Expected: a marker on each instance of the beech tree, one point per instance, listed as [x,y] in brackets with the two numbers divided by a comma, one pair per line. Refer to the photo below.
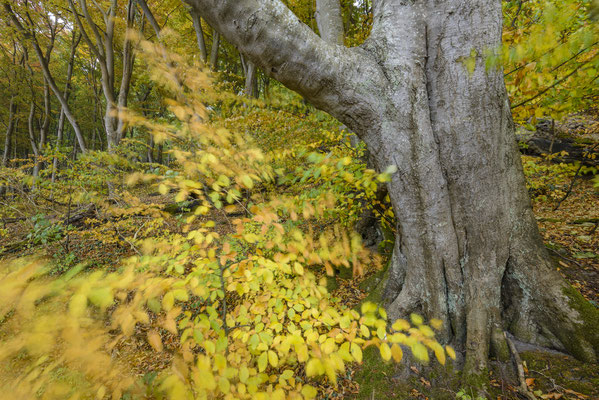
[421,93]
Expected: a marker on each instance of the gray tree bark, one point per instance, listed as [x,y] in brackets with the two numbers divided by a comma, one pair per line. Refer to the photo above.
[12,110]
[214,50]
[468,250]
[197,26]
[329,21]
[76,38]
[251,78]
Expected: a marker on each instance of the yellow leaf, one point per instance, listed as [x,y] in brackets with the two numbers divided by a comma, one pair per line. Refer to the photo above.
[396,352]
[401,325]
[450,352]
[356,352]
[155,340]
[368,307]
[168,301]
[383,313]
[416,319]
[297,267]
[439,353]
[209,346]
[436,323]
[385,351]
[244,374]
[247,181]
[420,352]
[101,297]
[329,369]
[309,392]
[302,352]
[365,331]
[273,359]
[426,331]
[77,305]
[314,367]
[224,385]
[381,332]
[328,346]
[181,294]
[262,362]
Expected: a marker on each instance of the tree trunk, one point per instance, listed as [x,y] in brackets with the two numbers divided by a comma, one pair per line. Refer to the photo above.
[214,51]
[197,26]
[60,130]
[329,21]
[127,73]
[251,82]
[12,110]
[468,250]
[34,147]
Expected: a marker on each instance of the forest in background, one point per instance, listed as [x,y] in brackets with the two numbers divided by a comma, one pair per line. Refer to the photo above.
[176,224]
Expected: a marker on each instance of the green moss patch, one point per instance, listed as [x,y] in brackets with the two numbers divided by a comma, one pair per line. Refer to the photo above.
[562,374]
[589,329]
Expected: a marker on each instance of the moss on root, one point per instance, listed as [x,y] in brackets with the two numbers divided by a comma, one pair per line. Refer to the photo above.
[375,285]
[587,329]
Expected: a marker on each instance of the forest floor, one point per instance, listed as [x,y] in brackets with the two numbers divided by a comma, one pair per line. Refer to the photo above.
[570,233]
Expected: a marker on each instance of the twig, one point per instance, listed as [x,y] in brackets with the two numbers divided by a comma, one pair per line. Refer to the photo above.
[550,86]
[564,257]
[517,13]
[133,247]
[573,181]
[523,386]
[555,385]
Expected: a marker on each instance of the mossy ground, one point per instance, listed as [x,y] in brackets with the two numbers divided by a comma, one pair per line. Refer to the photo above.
[554,373]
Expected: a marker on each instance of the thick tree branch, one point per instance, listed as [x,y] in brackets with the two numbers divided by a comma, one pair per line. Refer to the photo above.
[271,36]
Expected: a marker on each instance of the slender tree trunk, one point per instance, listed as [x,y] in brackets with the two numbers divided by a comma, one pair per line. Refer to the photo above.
[150,153]
[197,26]
[12,110]
[43,130]
[150,17]
[251,83]
[468,250]
[128,63]
[34,147]
[67,90]
[214,50]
